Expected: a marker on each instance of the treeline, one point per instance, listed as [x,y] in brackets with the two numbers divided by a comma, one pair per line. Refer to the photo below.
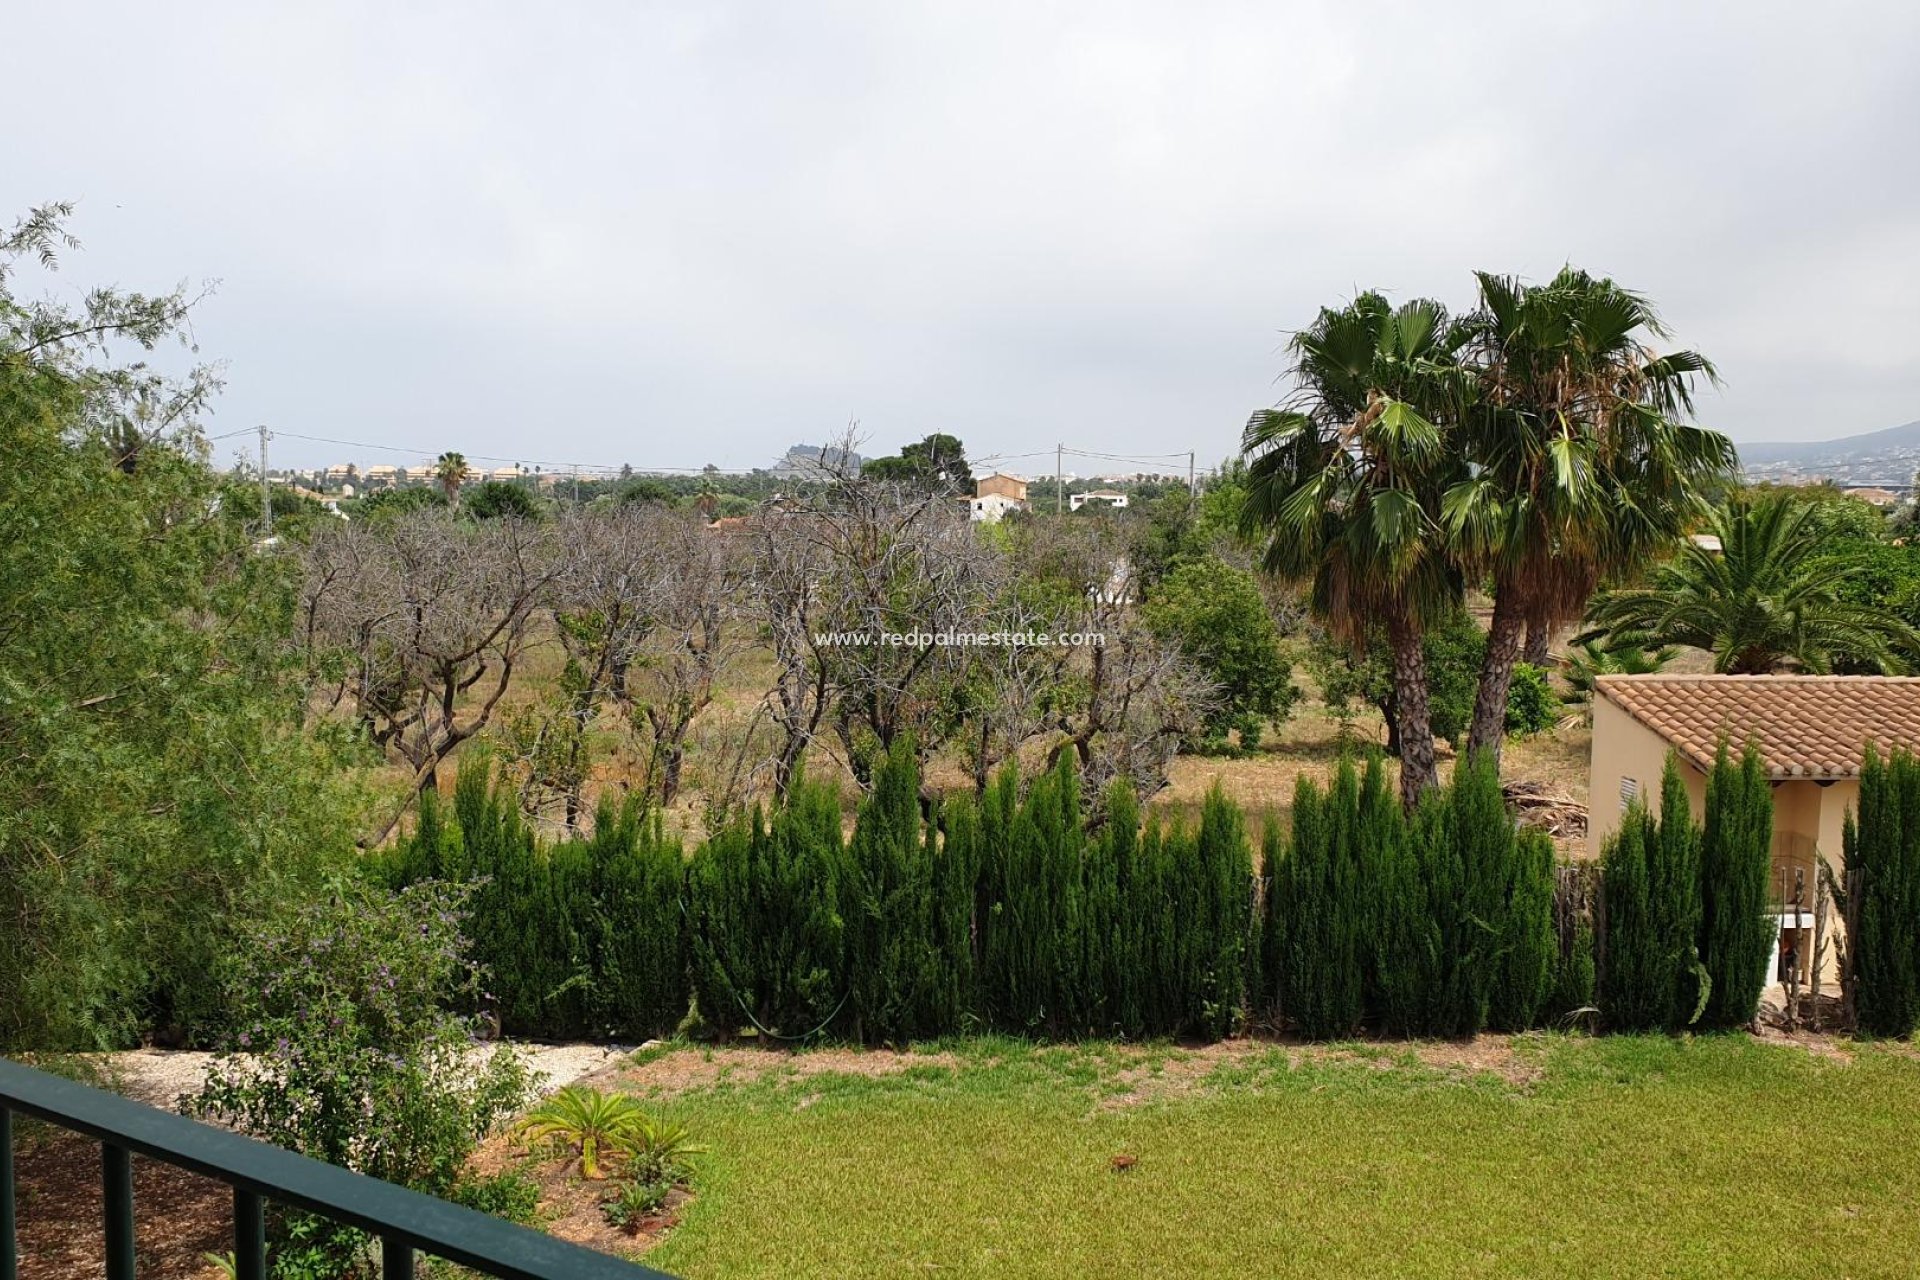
[1019,913]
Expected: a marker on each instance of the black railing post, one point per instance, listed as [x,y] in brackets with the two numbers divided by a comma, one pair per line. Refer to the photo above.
[9,1246]
[396,1259]
[249,1236]
[406,1223]
[116,1166]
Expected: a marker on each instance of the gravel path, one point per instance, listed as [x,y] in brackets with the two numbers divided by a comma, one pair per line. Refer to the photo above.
[159,1076]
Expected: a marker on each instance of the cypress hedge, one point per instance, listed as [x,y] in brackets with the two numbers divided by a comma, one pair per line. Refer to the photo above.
[766,939]
[1033,915]
[1882,850]
[582,938]
[1736,860]
[1651,977]
[1435,923]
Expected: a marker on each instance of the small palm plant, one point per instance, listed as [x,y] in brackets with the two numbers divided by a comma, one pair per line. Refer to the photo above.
[663,1150]
[589,1122]
[1589,660]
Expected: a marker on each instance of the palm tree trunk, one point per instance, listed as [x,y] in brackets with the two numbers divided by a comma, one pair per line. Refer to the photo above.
[1539,641]
[1411,717]
[1489,727]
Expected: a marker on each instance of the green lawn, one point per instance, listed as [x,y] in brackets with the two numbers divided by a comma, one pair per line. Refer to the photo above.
[1622,1157]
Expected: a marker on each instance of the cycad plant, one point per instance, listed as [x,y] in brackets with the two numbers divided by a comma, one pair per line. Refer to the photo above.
[588,1122]
[1768,599]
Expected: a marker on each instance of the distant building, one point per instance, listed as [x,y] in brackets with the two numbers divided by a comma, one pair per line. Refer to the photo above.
[1001,484]
[1111,497]
[506,475]
[1877,496]
[988,508]
[994,495]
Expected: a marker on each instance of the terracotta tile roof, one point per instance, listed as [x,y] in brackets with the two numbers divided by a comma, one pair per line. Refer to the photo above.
[1805,726]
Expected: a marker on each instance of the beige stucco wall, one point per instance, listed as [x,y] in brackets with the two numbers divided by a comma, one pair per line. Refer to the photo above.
[1625,748]
[1807,817]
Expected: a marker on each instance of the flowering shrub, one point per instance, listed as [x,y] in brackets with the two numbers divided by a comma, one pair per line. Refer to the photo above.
[344,1049]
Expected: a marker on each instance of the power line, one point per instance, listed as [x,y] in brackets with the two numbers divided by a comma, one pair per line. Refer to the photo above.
[604,468]
[519,460]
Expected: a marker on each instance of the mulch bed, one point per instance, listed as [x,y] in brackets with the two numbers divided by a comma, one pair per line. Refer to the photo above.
[179,1217]
[570,1204]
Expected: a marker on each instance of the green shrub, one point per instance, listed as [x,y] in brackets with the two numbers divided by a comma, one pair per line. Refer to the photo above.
[1650,978]
[1316,918]
[766,934]
[1737,931]
[343,1050]
[1532,705]
[1882,850]
[1217,617]
[887,902]
[509,1194]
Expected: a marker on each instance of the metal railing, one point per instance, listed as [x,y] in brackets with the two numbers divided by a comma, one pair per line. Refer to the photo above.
[406,1222]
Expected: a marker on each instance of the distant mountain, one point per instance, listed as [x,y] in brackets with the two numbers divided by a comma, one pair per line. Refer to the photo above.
[1879,457]
[812,461]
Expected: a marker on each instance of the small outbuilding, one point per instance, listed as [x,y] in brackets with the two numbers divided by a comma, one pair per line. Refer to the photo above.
[1811,732]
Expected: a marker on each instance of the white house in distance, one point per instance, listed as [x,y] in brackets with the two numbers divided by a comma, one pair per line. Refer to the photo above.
[996,494]
[1111,497]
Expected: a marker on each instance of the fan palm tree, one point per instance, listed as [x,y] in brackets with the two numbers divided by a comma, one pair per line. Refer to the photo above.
[451,472]
[1343,484]
[1583,463]
[1768,600]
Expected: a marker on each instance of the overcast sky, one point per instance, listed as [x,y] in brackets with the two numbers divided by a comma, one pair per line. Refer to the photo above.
[674,234]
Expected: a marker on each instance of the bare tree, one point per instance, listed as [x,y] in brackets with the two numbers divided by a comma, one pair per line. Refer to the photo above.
[862,588]
[788,566]
[422,623]
[604,600]
[1124,698]
[695,607]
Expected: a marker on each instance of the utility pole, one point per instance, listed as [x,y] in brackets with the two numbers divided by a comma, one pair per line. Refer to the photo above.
[1193,494]
[1059,486]
[266,489]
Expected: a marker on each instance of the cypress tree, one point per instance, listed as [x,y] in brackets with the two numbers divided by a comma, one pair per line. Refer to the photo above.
[1652,977]
[956,874]
[1398,928]
[887,903]
[1736,930]
[1221,917]
[1673,886]
[638,931]
[1635,988]
[1266,989]
[1118,858]
[1529,946]
[1882,851]
[766,938]
[1037,949]
[1322,983]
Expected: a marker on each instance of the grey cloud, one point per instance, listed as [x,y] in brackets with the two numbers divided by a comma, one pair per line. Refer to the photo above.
[680,233]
